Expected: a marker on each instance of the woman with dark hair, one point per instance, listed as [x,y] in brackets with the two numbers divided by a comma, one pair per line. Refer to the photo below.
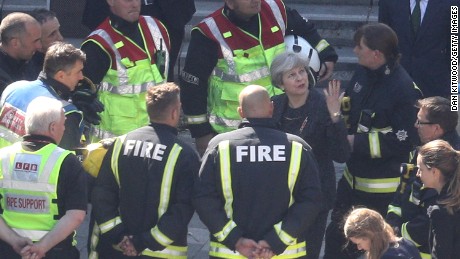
[368,230]
[315,116]
[379,113]
[439,168]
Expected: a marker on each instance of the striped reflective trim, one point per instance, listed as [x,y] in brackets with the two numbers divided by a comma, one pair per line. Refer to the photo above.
[167,179]
[385,130]
[197,119]
[278,16]
[394,209]
[412,198]
[233,124]
[126,88]
[322,44]
[34,235]
[99,133]
[174,252]
[110,224]
[406,235]
[381,185]
[93,254]
[43,178]
[284,236]
[226,51]
[222,235]
[374,145]
[121,69]
[294,167]
[225,176]
[8,135]
[243,78]
[158,39]
[425,255]
[160,237]
[114,159]
[221,251]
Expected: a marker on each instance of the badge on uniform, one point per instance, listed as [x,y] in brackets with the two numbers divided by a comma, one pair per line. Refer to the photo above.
[401,135]
[26,167]
[357,88]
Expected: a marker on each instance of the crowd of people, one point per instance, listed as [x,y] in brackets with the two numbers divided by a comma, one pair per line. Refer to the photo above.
[261,174]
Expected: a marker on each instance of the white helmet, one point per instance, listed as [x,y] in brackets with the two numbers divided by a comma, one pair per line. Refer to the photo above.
[299,45]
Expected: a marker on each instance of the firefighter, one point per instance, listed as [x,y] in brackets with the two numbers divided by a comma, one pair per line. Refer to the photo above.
[407,212]
[258,188]
[142,195]
[126,54]
[232,48]
[379,113]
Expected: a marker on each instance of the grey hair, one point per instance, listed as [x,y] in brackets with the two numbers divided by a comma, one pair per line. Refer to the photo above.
[41,112]
[14,25]
[285,62]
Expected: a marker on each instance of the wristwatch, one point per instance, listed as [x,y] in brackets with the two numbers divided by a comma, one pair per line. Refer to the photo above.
[337,114]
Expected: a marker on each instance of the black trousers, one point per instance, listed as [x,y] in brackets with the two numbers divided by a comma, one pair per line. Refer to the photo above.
[70,252]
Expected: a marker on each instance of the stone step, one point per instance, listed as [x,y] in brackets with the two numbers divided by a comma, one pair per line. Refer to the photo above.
[24,5]
[335,23]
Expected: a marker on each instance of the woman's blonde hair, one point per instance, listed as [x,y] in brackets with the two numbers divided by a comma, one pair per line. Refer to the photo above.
[369,224]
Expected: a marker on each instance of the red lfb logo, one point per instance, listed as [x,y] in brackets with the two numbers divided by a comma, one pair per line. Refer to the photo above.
[26,166]
[13,119]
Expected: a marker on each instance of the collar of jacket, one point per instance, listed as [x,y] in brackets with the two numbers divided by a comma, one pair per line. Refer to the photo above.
[258,122]
[452,138]
[14,64]
[62,90]
[122,25]
[163,126]
[35,142]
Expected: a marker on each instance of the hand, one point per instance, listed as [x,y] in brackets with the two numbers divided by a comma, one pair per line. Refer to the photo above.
[127,246]
[351,141]
[89,104]
[265,252]
[325,72]
[20,242]
[333,99]
[247,247]
[202,143]
[34,251]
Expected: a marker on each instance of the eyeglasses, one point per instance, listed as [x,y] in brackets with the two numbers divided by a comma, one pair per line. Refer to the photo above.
[418,123]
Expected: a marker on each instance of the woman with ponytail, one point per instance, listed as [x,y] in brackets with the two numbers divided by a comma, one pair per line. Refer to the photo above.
[368,230]
[438,168]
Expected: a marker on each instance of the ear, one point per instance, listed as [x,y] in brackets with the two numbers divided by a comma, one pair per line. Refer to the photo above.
[240,111]
[230,4]
[110,2]
[59,76]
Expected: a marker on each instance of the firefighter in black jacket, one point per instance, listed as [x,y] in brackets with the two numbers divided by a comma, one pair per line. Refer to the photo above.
[407,212]
[258,188]
[142,196]
[379,113]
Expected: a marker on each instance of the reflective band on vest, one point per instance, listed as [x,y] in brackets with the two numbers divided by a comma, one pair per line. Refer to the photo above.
[214,119]
[28,181]
[225,176]
[381,185]
[374,145]
[221,251]
[394,209]
[294,167]
[278,16]
[284,236]
[198,119]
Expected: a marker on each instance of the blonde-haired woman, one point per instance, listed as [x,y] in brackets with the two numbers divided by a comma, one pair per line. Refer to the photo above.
[368,230]
[439,168]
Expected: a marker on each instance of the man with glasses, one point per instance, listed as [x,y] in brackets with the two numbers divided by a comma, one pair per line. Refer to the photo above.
[407,212]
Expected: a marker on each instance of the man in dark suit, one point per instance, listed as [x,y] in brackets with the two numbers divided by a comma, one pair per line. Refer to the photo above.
[426,50]
[174,14]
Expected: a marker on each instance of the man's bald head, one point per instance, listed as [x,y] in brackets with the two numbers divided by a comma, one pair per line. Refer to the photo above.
[14,25]
[255,102]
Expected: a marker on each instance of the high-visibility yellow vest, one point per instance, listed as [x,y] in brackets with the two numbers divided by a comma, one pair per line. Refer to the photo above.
[132,71]
[243,60]
[29,188]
